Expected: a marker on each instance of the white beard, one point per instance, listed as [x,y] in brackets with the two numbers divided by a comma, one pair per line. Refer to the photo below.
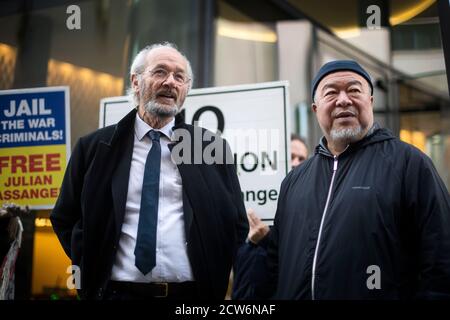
[347,135]
[160,110]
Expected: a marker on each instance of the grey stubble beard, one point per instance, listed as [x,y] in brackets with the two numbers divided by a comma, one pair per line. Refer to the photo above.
[346,135]
[159,110]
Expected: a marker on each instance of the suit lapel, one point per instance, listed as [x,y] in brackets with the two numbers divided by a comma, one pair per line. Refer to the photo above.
[120,152]
[119,183]
[195,204]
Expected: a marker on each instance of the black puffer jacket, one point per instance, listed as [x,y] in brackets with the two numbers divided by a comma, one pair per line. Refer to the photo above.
[372,223]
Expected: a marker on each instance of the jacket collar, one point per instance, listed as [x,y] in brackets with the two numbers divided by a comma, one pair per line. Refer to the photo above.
[124,126]
[179,119]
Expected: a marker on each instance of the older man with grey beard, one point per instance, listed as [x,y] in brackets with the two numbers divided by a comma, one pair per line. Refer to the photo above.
[367,216]
[138,224]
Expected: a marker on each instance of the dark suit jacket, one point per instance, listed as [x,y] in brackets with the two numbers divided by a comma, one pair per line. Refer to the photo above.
[89,212]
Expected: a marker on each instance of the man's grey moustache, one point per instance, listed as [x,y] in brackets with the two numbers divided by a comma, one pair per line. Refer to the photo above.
[345,114]
[167,94]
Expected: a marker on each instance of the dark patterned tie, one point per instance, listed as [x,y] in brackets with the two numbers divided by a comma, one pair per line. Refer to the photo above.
[145,250]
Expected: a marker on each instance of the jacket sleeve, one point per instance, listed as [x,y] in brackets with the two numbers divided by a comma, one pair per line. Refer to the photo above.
[428,200]
[261,281]
[256,269]
[66,216]
[251,272]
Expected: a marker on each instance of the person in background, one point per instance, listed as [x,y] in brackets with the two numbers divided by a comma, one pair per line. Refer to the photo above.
[299,150]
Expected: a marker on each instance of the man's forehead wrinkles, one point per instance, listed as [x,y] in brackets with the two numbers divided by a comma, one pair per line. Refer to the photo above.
[165,65]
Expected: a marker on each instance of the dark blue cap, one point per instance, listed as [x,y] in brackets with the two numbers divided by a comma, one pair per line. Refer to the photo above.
[336,66]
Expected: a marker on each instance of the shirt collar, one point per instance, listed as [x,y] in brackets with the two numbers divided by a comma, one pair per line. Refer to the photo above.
[141,128]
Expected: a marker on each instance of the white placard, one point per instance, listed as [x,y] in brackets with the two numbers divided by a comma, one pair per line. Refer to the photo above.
[253,119]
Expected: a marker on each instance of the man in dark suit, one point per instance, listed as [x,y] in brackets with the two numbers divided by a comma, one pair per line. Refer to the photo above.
[138,218]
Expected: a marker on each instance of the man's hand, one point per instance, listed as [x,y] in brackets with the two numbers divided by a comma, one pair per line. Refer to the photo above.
[258,229]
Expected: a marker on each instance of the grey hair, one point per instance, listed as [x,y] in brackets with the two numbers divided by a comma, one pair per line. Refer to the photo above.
[138,66]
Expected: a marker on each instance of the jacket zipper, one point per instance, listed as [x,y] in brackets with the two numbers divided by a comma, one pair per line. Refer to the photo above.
[335,164]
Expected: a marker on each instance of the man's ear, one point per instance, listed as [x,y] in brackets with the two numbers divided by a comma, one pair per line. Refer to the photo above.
[314,107]
[134,82]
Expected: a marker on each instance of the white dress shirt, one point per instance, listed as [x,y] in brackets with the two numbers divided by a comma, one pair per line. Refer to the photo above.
[172,263]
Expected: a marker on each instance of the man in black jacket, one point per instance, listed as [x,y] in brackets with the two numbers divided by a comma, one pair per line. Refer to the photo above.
[366,217]
[179,237]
